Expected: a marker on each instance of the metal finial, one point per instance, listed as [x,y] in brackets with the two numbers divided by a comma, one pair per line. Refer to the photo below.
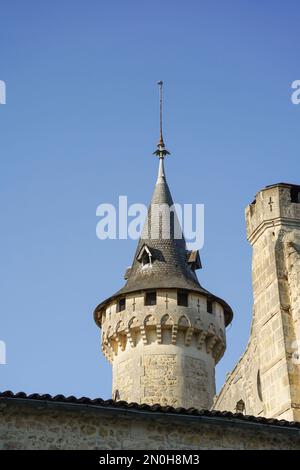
[160,84]
[161,151]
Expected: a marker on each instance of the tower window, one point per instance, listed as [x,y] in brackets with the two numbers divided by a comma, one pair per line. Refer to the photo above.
[240,407]
[295,194]
[150,298]
[145,256]
[145,259]
[258,382]
[209,306]
[182,299]
[121,304]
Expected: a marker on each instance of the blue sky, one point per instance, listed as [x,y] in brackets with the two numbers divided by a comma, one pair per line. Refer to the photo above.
[79,129]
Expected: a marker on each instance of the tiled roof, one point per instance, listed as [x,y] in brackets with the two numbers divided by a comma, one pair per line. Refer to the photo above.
[170,254]
[122,405]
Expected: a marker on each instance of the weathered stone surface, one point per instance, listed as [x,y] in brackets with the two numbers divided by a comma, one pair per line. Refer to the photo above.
[267,377]
[164,353]
[29,427]
[196,378]
[160,378]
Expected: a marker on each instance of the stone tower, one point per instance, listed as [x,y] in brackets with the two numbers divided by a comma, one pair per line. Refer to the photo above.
[266,380]
[162,332]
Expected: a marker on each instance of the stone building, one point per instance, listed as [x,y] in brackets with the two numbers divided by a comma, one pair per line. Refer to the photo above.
[163,333]
[45,422]
[266,380]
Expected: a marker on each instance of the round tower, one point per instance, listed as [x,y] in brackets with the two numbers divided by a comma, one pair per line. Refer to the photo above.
[163,332]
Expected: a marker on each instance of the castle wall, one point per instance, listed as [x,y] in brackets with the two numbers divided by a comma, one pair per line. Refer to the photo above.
[46,425]
[267,376]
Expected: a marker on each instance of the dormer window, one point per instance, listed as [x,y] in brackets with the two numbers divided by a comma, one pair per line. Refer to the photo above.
[150,298]
[182,298]
[145,256]
[193,260]
[146,259]
[121,304]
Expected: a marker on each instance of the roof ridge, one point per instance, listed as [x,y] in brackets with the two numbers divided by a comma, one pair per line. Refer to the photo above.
[8,394]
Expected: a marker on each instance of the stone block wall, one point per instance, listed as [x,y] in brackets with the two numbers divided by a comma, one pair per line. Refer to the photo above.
[267,377]
[164,353]
[31,424]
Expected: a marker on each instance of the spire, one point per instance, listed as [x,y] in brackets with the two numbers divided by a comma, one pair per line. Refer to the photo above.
[161,172]
[163,262]
[161,151]
[168,258]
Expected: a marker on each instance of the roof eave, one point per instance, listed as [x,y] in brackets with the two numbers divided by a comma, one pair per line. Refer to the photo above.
[228,312]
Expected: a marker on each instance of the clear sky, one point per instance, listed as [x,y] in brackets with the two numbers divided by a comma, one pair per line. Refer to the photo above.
[79,128]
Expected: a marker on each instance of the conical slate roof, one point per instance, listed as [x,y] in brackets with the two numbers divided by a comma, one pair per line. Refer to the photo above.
[163,237]
[168,262]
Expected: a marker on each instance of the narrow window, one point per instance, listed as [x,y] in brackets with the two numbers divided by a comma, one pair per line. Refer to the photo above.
[121,304]
[259,386]
[145,259]
[240,407]
[182,299]
[150,298]
[295,194]
[209,307]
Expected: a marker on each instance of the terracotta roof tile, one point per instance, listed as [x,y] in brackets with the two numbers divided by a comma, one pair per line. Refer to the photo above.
[8,395]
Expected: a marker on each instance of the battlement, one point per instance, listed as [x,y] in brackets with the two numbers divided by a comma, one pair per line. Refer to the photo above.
[267,377]
[272,206]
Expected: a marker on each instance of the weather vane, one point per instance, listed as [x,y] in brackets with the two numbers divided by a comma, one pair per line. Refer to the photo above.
[161,151]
